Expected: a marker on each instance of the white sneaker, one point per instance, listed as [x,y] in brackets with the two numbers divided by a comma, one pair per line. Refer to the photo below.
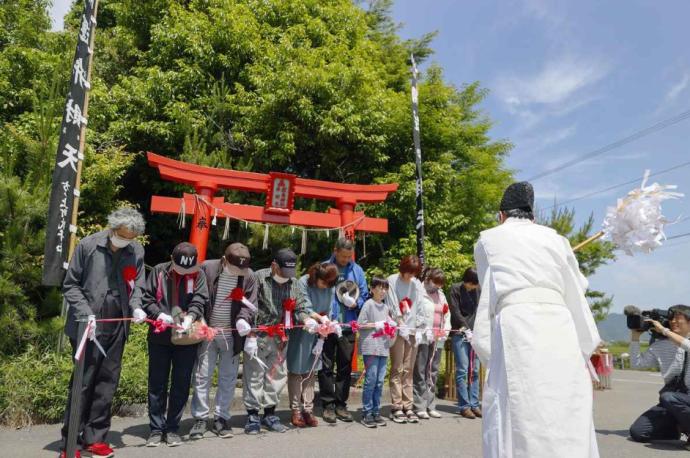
[434,413]
[423,415]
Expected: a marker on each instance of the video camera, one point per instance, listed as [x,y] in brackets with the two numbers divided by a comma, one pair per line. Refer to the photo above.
[635,319]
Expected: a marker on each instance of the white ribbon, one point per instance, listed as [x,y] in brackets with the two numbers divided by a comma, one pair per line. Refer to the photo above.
[90,334]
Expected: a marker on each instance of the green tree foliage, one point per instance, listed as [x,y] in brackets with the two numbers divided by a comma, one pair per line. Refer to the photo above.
[590,257]
[319,89]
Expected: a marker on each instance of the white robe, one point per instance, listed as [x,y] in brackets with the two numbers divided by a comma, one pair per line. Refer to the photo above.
[535,331]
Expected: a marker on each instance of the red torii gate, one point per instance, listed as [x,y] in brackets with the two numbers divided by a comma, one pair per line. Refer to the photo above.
[280,190]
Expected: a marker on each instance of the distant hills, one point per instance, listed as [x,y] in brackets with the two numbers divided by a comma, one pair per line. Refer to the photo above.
[613,329]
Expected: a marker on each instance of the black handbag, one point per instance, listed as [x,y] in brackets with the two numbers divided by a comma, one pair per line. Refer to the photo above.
[677,383]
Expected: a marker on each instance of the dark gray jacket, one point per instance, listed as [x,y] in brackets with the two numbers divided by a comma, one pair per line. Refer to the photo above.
[463,306]
[86,281]
[192,303]
[212,268]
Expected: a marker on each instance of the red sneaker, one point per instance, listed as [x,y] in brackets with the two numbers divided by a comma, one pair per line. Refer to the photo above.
[100,450]
[63,454]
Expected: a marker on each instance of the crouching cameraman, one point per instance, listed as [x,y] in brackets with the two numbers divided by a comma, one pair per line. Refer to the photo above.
[671,416]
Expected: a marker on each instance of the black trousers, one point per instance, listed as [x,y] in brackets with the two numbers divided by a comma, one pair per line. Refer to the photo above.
[169,365]
[101,377]
[334,386]
[664,421]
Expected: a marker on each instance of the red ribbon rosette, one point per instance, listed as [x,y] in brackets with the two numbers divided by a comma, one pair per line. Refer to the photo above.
[129,275]
[445,308]
[206,332]
[237,294]
[275,330]
[405,305]
[387,331]
[289,306]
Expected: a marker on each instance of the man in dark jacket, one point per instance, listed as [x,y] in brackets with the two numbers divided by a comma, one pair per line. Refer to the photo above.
[104,280]
[232,295]
[464,298]
[176,293]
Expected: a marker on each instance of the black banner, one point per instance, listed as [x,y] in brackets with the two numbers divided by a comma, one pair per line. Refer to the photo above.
[69,155]
[418,159]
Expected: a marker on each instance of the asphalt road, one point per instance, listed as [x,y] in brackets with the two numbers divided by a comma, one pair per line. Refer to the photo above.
[451,435]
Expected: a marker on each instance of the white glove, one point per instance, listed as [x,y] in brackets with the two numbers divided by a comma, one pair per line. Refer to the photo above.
[310,325]
[92,322]
[338,330]
[324,319]
[404,332]
[139,315]
[243,327]
[187,323]
[348,300]
[468,335]
[429,334]
[165,318]
[251,347]
[379,325]
[318,348]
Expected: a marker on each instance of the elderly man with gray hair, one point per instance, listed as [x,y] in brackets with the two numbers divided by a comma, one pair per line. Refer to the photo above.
[105,279]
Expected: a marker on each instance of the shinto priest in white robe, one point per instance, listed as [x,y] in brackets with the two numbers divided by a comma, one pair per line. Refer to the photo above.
[535,332]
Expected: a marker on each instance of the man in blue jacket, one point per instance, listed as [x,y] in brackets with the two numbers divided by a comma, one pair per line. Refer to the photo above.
[334,385]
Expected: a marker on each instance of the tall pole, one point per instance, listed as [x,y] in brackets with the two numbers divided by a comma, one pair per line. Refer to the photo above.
[75,407]
[419,226]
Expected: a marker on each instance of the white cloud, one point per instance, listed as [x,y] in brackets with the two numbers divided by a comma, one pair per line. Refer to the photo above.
[560,87]
[536,143]
[677,88]
[672,94]
[555,83]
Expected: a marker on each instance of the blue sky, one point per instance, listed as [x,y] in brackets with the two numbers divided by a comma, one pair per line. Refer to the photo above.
[566,78]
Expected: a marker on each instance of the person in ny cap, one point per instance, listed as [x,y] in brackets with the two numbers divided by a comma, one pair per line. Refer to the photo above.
[265,371]
[232,295]
[176,294]
[532,311]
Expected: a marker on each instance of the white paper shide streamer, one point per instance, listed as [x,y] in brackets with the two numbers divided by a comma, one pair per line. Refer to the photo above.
[636,223]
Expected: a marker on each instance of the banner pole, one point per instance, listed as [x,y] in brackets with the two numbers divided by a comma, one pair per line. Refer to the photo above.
[75,393]
[418,160]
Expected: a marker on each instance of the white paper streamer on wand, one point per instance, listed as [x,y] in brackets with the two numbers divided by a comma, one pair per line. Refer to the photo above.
[265,244]
[214,221]
[226,230]
[181,215]
[636,223]
[304,242]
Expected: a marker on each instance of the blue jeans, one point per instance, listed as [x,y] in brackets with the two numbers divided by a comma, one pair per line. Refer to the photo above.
[468,396]
[373,384]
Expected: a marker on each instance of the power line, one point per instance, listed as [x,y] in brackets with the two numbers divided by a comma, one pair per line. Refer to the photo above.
[624,141]
[610,188]
[678,236]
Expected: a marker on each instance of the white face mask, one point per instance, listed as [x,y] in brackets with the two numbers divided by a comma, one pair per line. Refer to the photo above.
[431,288]
[280,280]
[119,242]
